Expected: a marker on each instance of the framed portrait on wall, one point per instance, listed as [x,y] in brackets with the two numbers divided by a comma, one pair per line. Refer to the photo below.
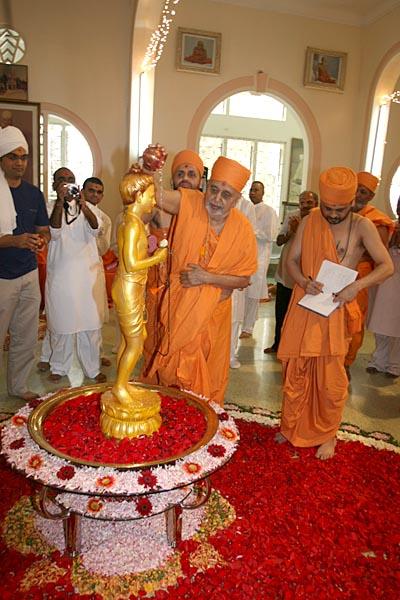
[325,69]
[13,82]
[25,116]
[198,51]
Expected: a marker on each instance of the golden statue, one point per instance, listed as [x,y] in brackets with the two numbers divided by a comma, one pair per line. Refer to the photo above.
[129,410]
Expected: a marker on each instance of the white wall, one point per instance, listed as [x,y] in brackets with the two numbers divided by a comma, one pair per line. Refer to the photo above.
[78,56]
[254,40]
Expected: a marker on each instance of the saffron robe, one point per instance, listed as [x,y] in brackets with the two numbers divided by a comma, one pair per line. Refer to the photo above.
[194,325]
[312,350]
[364,268]
[155,290]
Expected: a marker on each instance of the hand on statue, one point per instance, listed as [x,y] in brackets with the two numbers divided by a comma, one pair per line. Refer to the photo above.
[347,294]
[192,276]
[313,287]
[162,254]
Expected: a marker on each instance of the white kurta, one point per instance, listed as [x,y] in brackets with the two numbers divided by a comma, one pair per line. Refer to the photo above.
[266,231]
[238,296]
[104,236]
[384,316]
[75,284]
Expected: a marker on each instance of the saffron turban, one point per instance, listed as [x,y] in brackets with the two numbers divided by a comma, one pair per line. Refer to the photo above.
[230,171]
[187,157]
[338,186]
[368,180]
[11,138]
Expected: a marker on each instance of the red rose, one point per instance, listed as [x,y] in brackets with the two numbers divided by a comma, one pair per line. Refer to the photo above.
[66,473]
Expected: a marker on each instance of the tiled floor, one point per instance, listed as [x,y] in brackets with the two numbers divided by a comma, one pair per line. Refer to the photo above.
[373,403]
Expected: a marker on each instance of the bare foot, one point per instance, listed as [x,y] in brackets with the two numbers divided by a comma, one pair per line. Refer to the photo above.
[43,366]
[326,450]
[54,377]
[100,378]
[271,350]
[105,362]
[280,438]
[245,334]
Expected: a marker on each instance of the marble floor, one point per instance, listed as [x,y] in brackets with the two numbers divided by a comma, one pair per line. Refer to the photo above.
[373,403]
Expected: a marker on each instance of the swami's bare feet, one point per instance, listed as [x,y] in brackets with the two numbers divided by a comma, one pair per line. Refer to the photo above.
[326,450]
[280,438]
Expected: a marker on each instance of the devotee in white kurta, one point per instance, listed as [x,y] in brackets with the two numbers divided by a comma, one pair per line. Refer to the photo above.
[384,317]
[239,296]
[75,291]
[266,231]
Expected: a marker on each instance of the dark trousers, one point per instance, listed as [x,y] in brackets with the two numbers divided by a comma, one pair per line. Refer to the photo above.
[282,300]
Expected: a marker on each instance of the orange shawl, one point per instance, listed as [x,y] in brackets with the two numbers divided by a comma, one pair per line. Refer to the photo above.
[378,218]
[306,333]
[187,345]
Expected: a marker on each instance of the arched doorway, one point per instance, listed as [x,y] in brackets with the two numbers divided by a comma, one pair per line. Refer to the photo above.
[265,135]
[262,84]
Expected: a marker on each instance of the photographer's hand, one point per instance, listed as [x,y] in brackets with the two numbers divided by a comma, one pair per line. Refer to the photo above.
[90,216]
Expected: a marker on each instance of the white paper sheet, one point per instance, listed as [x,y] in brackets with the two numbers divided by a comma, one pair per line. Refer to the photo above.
[335,277]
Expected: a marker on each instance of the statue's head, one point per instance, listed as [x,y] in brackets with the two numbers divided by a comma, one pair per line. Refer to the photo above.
[138,187]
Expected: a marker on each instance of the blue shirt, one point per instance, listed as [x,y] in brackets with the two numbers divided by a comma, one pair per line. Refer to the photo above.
[31,212]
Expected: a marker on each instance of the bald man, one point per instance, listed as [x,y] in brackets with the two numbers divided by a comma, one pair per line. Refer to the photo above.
[214,252]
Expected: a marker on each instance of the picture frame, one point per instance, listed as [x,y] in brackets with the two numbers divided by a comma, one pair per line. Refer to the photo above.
[13,82]
[325,69]
[25,116]
[198,51]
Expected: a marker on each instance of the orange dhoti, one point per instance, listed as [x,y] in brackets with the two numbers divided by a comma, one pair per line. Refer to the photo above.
[364,268]
[155,291]
[193,353]
[312,351]
[314,395]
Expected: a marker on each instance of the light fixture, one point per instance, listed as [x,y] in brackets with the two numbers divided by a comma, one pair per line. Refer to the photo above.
[12,45]
[394,97]
[159,36]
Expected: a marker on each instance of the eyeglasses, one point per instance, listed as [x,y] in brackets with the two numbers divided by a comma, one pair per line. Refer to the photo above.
[15,157]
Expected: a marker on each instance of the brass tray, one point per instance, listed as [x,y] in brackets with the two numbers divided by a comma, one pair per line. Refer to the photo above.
[39,414]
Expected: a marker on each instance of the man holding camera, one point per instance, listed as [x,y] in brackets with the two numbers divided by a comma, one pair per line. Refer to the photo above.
[75,287]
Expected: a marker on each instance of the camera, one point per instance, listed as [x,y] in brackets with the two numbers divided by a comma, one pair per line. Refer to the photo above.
[73,191]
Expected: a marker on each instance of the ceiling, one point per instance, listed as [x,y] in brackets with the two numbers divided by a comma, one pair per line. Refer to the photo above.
[349,12]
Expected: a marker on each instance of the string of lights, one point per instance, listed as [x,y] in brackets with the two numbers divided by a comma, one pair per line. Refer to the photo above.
[159,36]
[395,97]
